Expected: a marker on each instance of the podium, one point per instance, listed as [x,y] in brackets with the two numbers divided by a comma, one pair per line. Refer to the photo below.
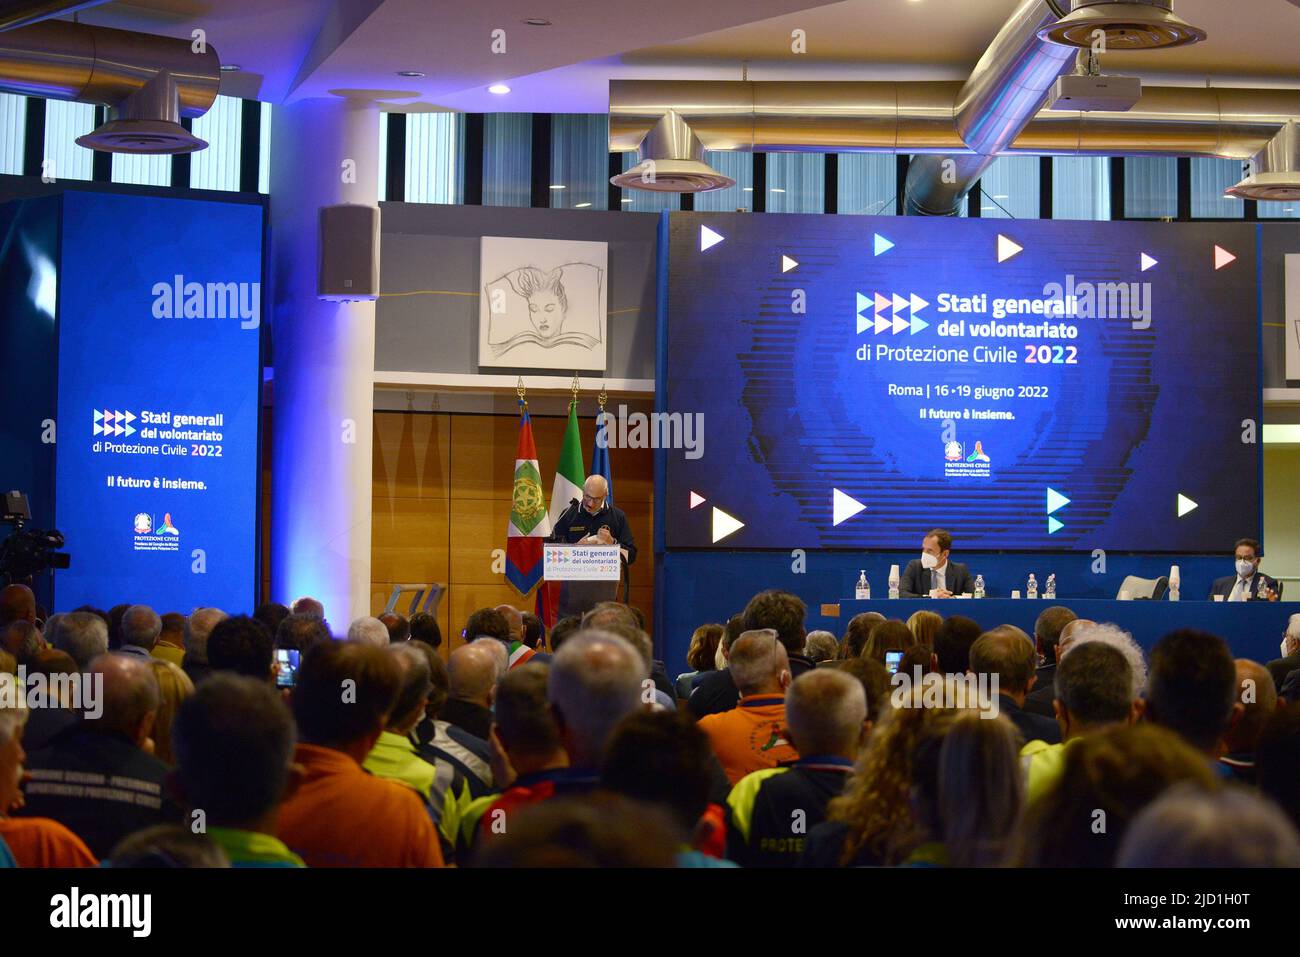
[588,574]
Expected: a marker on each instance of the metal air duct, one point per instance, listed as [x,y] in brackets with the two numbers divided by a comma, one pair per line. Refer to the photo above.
[1126,24]
[20,13]
[1275,172]
[671,160]
[147,82]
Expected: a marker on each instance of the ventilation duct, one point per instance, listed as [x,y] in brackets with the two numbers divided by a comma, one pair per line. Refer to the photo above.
[671,160]
[1127,25]
[1275,172]
[147,82]
[20,13]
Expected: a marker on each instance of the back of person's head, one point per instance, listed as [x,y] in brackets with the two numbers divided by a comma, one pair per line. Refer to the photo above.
[499,651]
[1192,688]
[344,694]
[51,661]
[368,630]
[980,789]
[1080,632]
[564,629]
[141,627]
[115,626]
[234,740]
[918,656]
[300,632]
[198,627]
[522,713]
[1277,755]
[826,711]
[874,678]
[857,632]
[17,603]
[487,623]
[1094,684]
[632,613]
[173,630]
[733,629]
[1008,653]
[820,646]
[472,671]
[424,627]
[174,687]
[308,606]
[1187,827]
[413,691]
[598,832]
[1258,696]
[243,645]
[759,663]
[924,626]
[662,758]
[399,629]
[534,632]
[167,845]
[610,616]
[439,684]
[21,639]
[892,635]
[515,619]
[952,644]
[594,681]
[703,650]
[1047,629]
[782,612]
[82,634]
[271,614]
[1106,780]
[130,696]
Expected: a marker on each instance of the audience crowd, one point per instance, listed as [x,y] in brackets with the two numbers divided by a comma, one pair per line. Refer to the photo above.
[214,740]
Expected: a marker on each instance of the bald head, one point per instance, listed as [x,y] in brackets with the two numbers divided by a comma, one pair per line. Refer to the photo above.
[758,662]
[130,696]
[308,606]
[472,673]
[595,487]
[826,710]
[1070,632]
[141,626]
[17,603]
[1258,695]
[515,619]
[595,680]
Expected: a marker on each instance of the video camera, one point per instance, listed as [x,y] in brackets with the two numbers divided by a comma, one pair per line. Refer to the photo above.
[27,551]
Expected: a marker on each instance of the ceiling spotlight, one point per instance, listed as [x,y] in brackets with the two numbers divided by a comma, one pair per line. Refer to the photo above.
[500,89]
[230,68]
[1127,25]
[409,73]
[537,22]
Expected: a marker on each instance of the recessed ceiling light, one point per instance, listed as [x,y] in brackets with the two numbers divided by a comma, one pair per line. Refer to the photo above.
[230,68]
[557,186]
[410,73]
[537,22]
[581,205]
[500,89]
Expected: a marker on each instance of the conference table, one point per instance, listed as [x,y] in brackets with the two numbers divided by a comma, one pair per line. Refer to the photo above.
[1252,629]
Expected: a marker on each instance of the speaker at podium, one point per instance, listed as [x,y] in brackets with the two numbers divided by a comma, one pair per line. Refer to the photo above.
[587,574]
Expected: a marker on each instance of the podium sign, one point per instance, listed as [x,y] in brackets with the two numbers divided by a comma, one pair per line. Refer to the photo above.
[581,563]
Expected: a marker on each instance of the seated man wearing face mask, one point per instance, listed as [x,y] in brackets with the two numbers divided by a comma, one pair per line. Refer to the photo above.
[1246,584]
[933,572]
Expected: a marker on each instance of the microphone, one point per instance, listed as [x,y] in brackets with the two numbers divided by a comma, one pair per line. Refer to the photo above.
[572,509]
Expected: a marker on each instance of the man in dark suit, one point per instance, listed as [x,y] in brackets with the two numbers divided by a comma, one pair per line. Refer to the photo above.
[1008,653]
[1047,636]
[933,572]
[1245,585]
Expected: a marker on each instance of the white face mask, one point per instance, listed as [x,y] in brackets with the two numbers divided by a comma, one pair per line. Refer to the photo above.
[929,561]
[1244,568]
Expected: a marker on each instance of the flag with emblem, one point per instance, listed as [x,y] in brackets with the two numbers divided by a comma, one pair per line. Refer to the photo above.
[600,454]
[529,524]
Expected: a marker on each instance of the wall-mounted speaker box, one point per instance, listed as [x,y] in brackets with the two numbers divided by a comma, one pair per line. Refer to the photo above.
[349,253]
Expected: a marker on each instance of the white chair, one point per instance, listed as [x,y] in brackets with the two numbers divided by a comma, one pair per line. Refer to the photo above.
[1144,588]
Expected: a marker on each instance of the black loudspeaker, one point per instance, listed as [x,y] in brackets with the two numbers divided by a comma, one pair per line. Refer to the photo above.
[349,253]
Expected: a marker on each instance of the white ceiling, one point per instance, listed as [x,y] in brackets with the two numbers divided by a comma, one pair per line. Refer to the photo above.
[294,48]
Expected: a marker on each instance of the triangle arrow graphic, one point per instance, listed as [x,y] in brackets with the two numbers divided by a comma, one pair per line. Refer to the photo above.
[844,507]
[724,524]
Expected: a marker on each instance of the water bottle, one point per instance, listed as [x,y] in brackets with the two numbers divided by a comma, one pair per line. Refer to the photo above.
[1031,589]
[1262,591]
[979,586]
[893,581]
[1175,580]
[863,590]
[1049,590]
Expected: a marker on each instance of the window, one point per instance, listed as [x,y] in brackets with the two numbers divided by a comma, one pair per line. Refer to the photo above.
[64,122]
[508,159]
[740,167]
[434,144]
[217,167]
[1010,188]
[796,182]
[264,152]
[1210,177]
[580,161]
[13,120]
[867,184]
[1150,187]
[143,169]
[1080,187]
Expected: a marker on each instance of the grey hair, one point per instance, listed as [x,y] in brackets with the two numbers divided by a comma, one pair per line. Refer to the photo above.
[1293,626]
[821,645]
[825,709]
[1230,827]
[369,631]
[595,680]
[755,657]
[1121,641]
[198,626]
[141,626]
[82,634]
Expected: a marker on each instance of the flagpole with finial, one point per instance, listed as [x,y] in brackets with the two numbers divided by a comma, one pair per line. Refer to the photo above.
[603,397]
[574,389]
[521,391]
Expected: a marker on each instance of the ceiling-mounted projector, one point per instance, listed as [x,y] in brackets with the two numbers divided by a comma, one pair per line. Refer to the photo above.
[1089,92]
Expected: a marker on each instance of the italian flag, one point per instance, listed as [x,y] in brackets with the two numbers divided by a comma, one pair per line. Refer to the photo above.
[529,524]
[570,474]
